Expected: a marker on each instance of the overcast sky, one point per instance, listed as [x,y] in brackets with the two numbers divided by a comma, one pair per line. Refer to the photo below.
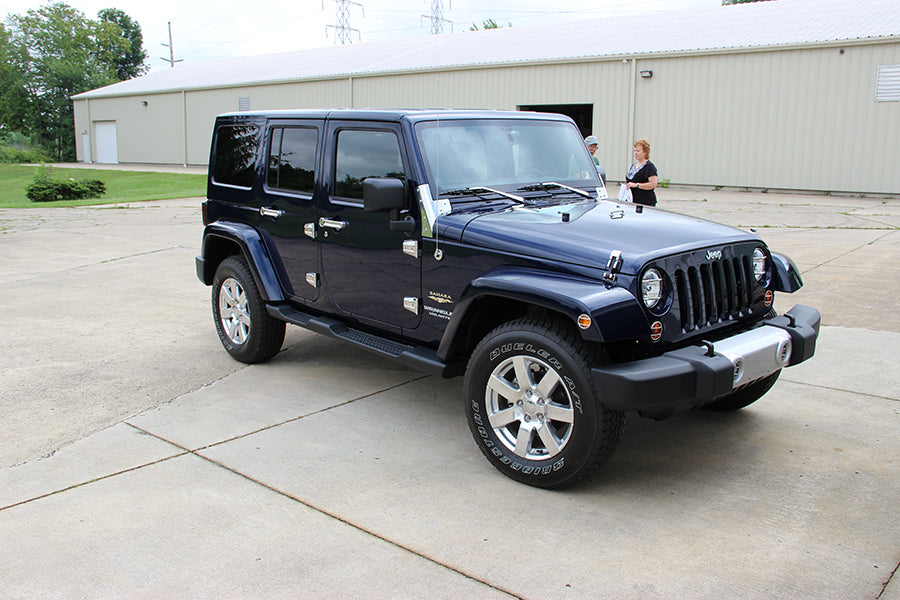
[205,30]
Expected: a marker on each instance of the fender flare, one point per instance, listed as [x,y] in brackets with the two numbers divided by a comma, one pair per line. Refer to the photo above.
[615,313]
[786,274]
[217,239]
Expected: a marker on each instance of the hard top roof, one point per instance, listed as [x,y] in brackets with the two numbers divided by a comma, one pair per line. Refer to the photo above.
[384,114]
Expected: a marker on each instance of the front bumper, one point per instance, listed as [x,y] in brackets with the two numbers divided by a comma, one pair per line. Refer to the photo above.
[697,375]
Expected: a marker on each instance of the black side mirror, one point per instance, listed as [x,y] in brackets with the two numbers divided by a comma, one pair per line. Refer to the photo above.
[388,194]
[384,193]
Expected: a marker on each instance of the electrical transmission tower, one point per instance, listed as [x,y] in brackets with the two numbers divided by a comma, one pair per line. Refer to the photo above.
[437,17]
[344,33]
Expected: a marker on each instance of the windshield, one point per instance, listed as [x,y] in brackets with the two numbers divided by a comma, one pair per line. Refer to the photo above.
[503,153]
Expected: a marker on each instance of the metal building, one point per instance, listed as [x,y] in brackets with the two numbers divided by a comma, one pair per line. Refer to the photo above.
[781,95]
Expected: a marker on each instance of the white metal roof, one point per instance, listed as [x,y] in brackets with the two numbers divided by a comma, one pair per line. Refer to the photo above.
[775,23]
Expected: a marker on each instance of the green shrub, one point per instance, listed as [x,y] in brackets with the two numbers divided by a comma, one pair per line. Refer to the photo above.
[46,189]
[10,155]
[16,148]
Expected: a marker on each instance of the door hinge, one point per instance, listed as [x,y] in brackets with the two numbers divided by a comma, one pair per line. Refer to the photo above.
[411,247]
[411,304]
[310,230]
[312,279]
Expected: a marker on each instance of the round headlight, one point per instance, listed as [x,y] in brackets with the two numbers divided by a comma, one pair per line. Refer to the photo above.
[759,263]
[651,288]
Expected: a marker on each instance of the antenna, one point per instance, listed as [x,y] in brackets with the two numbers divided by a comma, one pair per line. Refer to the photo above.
[437,17]
[342,17]
[171,60]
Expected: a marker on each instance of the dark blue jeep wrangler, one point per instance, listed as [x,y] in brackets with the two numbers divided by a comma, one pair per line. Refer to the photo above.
[483,243]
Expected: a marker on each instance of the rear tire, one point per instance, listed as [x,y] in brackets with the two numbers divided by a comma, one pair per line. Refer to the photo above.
[532,406]
[249,333]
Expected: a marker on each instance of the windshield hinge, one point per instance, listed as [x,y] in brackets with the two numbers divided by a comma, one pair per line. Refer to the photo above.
[613,265]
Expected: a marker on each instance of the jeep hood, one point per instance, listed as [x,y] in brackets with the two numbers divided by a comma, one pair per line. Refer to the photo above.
[584,233]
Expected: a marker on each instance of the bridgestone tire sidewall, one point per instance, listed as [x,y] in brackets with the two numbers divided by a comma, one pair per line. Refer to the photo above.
[563,468]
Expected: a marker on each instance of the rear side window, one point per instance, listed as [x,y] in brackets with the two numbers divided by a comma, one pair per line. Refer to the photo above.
[292,159]
[235,155]
[362,154]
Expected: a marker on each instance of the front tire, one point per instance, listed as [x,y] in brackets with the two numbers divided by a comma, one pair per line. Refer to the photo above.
[246,330]
[532,406]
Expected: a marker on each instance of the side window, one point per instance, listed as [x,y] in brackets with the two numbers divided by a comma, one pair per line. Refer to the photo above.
[292,159]
[235,155]
[362,154]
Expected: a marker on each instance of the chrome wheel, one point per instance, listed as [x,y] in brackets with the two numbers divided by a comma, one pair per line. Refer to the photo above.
[234,311]
[532,406]
[247,331]
[529,408]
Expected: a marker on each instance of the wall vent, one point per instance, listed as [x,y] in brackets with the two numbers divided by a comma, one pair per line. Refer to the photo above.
[887,84]
[243,103]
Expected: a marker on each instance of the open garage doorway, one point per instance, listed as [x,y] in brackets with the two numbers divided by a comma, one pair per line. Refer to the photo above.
[582,114]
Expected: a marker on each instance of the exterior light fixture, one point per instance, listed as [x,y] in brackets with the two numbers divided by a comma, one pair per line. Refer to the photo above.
[646,74]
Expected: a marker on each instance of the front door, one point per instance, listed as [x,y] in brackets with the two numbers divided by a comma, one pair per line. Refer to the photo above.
[288,210]
[367,270]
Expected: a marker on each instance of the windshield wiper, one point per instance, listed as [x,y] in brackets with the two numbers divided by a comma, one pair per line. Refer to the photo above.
[480,189]
[549,185]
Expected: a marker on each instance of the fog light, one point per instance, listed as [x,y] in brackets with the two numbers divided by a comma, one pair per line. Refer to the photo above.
[738,369]
[783,353]
[584,321]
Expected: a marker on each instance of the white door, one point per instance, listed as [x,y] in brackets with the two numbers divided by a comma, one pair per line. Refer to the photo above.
[86,147]
[107,144]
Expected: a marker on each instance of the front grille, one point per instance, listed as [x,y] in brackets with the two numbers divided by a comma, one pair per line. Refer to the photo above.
[714,292]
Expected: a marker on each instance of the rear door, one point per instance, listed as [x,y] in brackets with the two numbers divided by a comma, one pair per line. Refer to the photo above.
[289,210]
[368,271]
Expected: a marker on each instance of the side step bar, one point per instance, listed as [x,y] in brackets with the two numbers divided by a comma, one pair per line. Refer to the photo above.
[417,357]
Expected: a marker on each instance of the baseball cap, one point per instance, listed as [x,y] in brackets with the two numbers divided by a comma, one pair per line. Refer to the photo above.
[591,140]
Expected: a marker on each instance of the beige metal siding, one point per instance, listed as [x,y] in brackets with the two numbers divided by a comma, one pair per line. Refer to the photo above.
[797,119]
[801,119]
[82,127]
[151,133]
[501,87]
[203,106]
[510,87]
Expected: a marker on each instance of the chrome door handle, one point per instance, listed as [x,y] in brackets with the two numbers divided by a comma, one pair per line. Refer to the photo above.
[270,212]
[333,223]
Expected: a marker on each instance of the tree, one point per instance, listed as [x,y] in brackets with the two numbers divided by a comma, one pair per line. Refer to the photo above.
[487,24]
[13,99]
[132,63]
[59,52]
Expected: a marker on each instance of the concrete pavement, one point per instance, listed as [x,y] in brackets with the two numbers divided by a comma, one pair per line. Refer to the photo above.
[139,461]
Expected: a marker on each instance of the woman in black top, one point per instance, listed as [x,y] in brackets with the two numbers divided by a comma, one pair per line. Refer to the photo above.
[642,178]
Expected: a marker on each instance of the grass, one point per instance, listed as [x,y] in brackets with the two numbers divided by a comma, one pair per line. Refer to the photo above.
[121,186]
